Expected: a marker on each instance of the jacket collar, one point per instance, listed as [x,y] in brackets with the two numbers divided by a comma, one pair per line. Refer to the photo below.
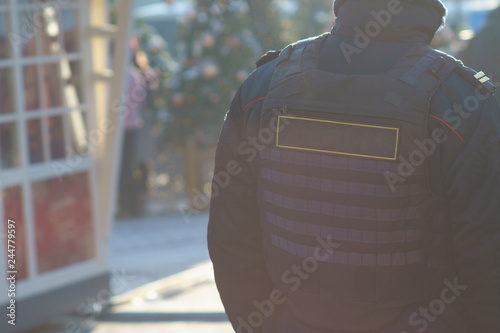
[410,20]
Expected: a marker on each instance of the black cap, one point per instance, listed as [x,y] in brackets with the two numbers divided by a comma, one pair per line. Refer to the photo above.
[437,3]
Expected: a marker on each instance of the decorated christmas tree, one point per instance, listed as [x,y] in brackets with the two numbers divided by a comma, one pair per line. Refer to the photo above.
[219,44]
[310,18]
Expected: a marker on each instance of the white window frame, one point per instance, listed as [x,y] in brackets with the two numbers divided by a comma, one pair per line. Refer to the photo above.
[27,173]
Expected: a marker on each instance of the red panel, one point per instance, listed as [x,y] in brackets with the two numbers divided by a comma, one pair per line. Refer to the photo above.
[63,221]
[13,210]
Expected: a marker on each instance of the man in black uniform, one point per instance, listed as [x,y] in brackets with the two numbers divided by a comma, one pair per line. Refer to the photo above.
[357,184]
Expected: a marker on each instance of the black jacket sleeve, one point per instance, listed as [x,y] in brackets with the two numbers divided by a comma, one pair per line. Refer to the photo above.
[472,185]
[234,236]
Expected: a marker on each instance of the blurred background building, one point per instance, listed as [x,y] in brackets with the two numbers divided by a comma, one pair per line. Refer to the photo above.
[110,110]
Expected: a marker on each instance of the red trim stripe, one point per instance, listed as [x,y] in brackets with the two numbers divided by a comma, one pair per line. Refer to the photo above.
[444,122]
[257,100]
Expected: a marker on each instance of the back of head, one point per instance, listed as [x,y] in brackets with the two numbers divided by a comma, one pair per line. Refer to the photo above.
[437,4]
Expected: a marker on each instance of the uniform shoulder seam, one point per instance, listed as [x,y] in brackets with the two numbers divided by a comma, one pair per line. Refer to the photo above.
[478,80]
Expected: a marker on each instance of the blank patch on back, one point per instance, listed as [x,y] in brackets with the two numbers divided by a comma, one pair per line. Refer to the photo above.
[336,137]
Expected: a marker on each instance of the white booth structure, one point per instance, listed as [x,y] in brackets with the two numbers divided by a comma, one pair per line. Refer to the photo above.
[61,88]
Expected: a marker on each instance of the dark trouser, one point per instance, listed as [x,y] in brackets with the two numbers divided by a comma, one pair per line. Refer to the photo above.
[130,189]
[283,321]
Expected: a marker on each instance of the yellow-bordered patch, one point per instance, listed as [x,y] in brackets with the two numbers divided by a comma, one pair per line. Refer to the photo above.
[336,137]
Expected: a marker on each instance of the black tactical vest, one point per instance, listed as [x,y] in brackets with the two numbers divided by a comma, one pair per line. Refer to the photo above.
[349,162]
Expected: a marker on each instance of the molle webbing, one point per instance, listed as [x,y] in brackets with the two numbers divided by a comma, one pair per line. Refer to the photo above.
[388,238]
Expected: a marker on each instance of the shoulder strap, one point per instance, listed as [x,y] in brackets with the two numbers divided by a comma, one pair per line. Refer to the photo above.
[434,67]
[269,56]
[298,57]
[294,59]
[431,70]
[478,80]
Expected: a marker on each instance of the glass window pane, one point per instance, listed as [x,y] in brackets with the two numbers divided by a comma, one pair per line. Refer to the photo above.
[14,210]
[6,91]
[35,142]
[39,31]
[63,237]
[5,45]
[52,85]
[56,137]
[50,31]
[25,40]
[9,146]
[69,24]
[31,91]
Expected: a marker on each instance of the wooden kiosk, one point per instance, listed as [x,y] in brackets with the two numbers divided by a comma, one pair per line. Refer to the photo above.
[61,82]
